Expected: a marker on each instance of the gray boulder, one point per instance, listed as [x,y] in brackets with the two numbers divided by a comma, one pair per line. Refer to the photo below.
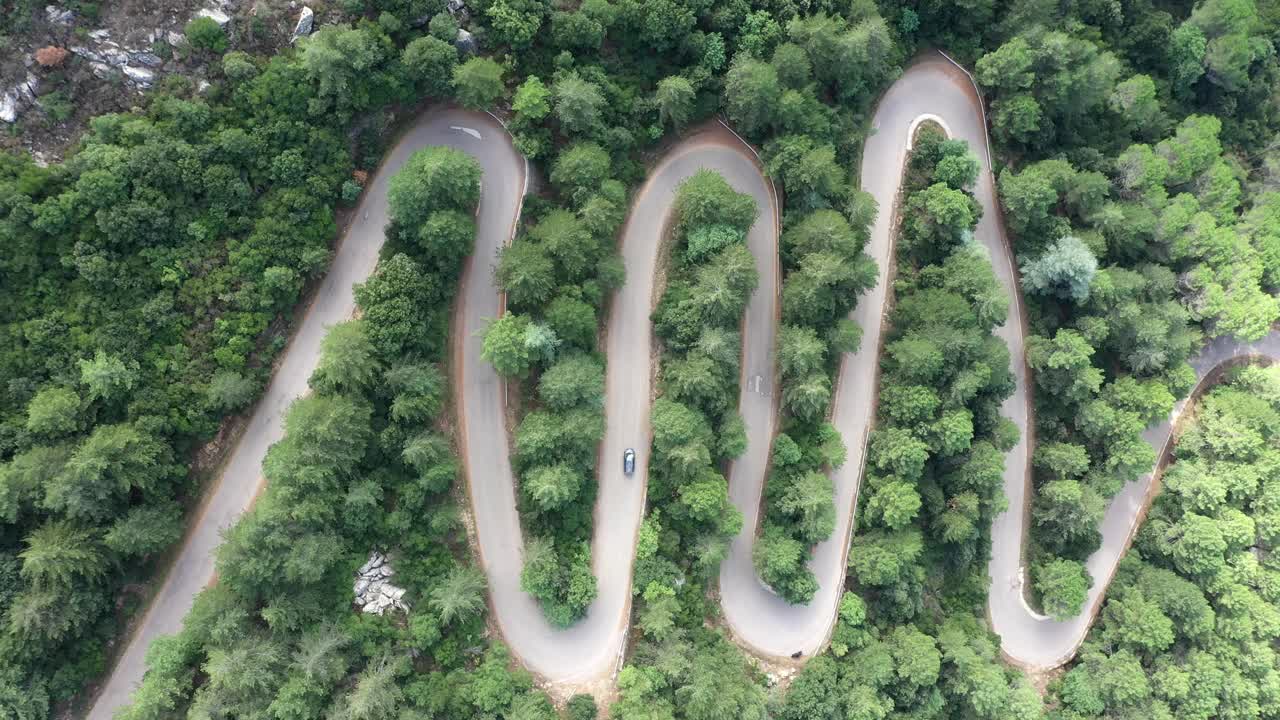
[91,55]
[147,59]
[465,42]
[141,77]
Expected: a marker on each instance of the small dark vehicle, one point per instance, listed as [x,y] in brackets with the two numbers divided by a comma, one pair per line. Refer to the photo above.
[628,461]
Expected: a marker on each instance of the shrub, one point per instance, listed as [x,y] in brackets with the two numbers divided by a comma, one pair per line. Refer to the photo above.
[582,707]
[237,65]
[351,192]
[205,34]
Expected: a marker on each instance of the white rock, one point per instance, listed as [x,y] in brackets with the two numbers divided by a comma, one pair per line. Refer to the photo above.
[175,39]
[100,35]
[306,21]
[9,106]
[102,70]
[215,14]
[28,89]
[374,593]
[58,16]
[202,86]
[141,77]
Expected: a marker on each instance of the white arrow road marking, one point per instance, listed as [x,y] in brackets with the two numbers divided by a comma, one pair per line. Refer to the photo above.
[470,131]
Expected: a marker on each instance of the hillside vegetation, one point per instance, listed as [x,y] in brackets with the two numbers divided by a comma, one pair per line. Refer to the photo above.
[149,280]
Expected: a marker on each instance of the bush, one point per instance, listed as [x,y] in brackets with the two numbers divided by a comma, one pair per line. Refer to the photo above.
[443,27]
[237,65]
[708,239]
[582,707]
[205,34]
[351,192]
[1063,586]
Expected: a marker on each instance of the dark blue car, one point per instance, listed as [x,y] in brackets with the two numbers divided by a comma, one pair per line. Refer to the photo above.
[628,461]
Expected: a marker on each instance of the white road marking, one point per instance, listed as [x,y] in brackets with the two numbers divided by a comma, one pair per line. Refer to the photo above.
[470,131]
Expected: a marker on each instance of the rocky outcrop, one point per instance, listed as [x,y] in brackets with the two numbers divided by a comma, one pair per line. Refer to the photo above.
[106,57]
[373,589]
[306,21]
[15,99]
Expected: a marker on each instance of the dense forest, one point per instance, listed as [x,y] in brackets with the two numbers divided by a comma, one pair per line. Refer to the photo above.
[150,280]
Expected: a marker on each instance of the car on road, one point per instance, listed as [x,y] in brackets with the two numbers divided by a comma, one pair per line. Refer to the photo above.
[628,461]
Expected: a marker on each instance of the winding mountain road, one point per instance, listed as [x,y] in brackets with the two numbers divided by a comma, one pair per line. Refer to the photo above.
[591,650]
[931,89]
[356,256]
[1037,642]
[936,89]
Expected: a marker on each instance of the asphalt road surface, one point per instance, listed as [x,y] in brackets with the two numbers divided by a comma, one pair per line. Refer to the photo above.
[193,568]
[590,650]
[749,606]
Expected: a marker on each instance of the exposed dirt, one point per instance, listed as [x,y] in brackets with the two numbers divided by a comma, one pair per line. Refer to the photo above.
[1040,679]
